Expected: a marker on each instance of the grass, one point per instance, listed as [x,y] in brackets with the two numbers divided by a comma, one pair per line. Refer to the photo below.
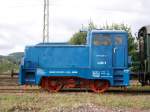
[44,102]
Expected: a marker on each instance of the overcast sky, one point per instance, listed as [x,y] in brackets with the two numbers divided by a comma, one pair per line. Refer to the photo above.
[21,21]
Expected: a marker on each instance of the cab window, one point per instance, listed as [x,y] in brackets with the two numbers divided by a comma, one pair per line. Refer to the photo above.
[102,39]
[118,40]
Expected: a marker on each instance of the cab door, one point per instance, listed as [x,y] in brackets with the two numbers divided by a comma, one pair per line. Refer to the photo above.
[101,51]
[119,51]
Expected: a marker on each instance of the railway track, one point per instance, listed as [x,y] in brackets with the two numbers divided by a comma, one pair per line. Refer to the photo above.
[18,91]
[10,85]
[110,91]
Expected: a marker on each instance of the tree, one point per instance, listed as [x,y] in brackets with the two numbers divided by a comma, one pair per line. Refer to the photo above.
[80,37]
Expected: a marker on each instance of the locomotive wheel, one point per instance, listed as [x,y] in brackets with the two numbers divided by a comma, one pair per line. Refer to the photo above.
[54,85]
[70,83]
[99,86]
[43,83]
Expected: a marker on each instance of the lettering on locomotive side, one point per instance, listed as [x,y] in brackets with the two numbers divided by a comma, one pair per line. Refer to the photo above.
[101,55]
[96,73]
[126,71]
[101,74]
[63,72]
[101,62]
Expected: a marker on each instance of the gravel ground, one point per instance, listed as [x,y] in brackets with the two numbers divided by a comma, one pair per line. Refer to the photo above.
[95,108]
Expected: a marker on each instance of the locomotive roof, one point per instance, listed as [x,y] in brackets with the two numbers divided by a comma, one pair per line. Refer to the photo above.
[57,44]
[144,30]
[108,31]
[148,29]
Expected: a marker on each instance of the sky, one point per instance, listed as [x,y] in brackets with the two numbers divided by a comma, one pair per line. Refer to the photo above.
[21,21]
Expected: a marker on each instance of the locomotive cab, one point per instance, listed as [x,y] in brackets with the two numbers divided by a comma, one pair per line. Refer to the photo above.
[110,56]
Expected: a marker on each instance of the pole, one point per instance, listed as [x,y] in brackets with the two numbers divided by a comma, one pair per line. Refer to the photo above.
[46,22]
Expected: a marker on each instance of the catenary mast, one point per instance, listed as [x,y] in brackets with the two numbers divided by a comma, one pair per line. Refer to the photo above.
[46,22]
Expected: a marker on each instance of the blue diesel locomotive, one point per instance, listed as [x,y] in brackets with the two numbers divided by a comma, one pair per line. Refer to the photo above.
[100,63]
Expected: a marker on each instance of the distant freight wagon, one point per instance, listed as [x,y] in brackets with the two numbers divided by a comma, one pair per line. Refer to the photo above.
[101,63]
